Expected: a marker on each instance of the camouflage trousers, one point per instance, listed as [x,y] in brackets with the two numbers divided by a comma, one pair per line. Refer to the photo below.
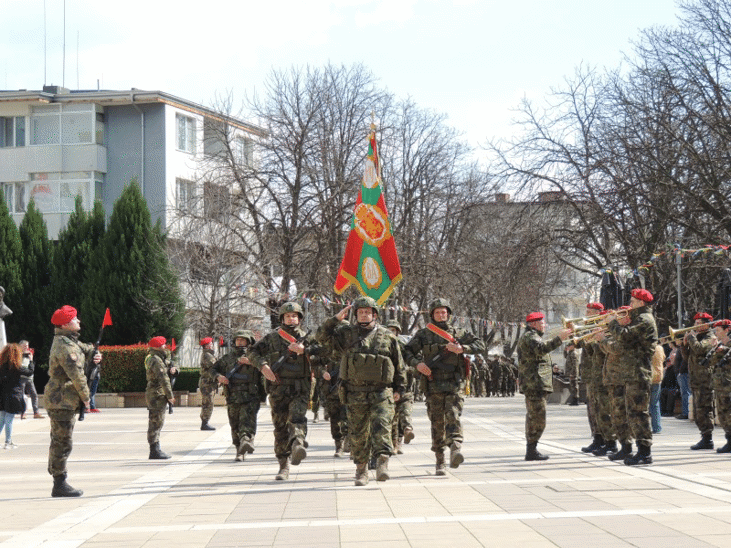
[338,417]
[703,409]
[591,411]
[573,387]
[62,430]
[157,409]
[370,415]
[723,410]
[620,422]
[603,411]
[535,416]
[402,415]
[289,408]
[315,394]
[207,392]
[444,410]
[637,395]
[242,419]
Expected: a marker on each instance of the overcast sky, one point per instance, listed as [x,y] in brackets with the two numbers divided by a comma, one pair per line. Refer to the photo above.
[470,59]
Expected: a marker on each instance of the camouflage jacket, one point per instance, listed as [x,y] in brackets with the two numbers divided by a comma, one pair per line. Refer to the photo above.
[698,366]
[636,342]
[208,375]
[156,371]
[247,384]
[296,370]
[615,373]
[67,385]
[572,363]
[534,363]
[425,345]
[721,367]
[586,363]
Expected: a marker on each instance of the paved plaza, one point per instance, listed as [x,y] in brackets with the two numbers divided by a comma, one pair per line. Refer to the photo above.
[202,498]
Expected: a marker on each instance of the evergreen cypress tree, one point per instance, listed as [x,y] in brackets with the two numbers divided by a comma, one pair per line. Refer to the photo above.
[11,252]
[127,274]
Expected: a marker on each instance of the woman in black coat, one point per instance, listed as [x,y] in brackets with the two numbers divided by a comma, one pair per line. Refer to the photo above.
[11,389]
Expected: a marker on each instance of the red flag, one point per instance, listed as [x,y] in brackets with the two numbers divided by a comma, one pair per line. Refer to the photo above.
[107,319]
[172,346]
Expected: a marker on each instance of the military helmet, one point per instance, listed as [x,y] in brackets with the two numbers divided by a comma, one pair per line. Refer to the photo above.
[290,307]
[395,324]
[365,302]
[244,334]
[439,303]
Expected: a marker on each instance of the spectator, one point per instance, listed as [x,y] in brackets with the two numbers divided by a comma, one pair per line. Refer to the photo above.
[658,359]
[681,373]
[29,387]
[11,389]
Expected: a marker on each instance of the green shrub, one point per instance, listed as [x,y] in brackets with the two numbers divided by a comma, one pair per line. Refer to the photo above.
[188,380]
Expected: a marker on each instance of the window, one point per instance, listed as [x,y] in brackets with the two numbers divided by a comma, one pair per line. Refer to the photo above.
[185,194]
[243,150]
[12,131]
[63,124]
[15,197]
[185,133]
[216,202]
[56,192]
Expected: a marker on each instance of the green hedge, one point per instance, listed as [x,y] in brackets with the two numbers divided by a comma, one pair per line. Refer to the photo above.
[123,370]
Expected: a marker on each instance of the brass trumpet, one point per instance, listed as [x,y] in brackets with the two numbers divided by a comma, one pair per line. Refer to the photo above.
[582,321]
[674,333]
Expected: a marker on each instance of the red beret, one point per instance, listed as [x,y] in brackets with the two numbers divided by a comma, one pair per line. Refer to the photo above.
[534,316]
[157,342]
[595,306]
[63,315]
[207,340]
[643,295]
[723,323]
[703,316]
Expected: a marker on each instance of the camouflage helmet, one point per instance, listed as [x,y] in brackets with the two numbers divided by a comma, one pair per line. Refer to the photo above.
[290,307]
[439,303]
[395,324]
[365,302]
[245,334]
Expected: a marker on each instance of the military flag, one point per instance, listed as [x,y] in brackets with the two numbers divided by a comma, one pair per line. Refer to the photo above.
[370,261]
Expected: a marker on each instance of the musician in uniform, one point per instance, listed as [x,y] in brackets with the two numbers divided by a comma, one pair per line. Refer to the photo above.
[721,367]
[701,377]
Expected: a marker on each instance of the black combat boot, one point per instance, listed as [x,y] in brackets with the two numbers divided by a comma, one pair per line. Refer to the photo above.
[206,426]
[641,457]
[382,468]
[455,455]
[705,443]
[623,453]
[596,444]
[361,474]
[441,469]
[283,473]
[531,452]
[726,448]
[156,452]
[63,489]
[299,453]
[610,447]
[574,400]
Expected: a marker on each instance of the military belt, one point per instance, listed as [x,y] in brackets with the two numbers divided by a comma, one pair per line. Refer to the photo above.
[366,388]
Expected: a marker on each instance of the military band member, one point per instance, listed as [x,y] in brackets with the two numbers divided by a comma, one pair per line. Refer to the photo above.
[535,378]
[721,366]
[572,372]
[443,346]
[65,393]
[207,383]
[701,377]
[636,336]
[287,350]
[372,372]
[403,429]
[243,388]
[159,392]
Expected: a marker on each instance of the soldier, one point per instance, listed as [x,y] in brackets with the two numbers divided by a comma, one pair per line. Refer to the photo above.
[373,378]
[243,387]
[636,336]
[283,356]
[721,366]
[403,429]
[159,392]
[335,410]
[535,378]
[207,383]
[572,371]
[65,393]
[443,347]
[592,360]
[701,378]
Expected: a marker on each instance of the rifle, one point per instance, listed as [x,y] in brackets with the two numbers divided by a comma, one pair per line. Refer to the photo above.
[91,369]
[335,380]
[277,365]
[173,378]
[236,368]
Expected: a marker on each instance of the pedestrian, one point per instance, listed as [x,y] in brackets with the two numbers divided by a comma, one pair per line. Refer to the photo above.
[29,387]
[12,400]
[658,359]
[159,392]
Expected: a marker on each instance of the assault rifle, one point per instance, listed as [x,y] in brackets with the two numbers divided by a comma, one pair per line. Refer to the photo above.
[335,380]
[277,365]
[236,368]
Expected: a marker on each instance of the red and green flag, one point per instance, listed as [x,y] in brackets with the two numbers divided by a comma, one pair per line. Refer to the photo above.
[370,261]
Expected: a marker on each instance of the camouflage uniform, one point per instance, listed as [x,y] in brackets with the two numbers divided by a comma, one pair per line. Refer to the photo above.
[444,400]
[371,369]
[572,372]
[404,408]
[535,375]
[701,381]
[636,343]
[616,376]
[721,367]
[207,384]
[158,392]
[66,390]
[586,366]
[330,398]
[244,393]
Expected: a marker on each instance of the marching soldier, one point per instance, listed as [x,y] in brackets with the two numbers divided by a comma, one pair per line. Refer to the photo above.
[438,353]
[335,410]
[283,356]
[243,387]
[159,392]
[701,377]
[207,383]
[373,378]
[535,377]
[721,367]
[403,429]
[65,393]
